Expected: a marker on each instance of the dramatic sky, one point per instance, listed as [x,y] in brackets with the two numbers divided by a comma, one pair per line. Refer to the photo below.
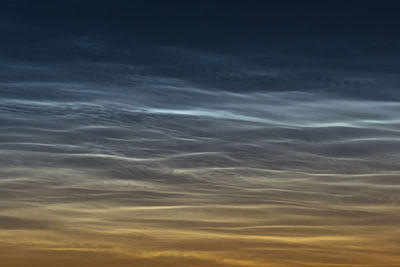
[199,133]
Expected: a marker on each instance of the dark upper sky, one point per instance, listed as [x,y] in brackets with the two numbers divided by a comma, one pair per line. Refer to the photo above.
[207,24]
[330,37]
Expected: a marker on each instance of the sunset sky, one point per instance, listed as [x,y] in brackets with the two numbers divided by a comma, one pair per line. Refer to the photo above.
[199,133]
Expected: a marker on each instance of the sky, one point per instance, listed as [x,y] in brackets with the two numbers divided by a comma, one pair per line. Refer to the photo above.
[199,133]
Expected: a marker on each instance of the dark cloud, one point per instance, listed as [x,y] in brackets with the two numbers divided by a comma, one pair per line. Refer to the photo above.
[13,223]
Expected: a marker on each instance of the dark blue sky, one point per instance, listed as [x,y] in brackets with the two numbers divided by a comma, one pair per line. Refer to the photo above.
[208,24]
[315,40]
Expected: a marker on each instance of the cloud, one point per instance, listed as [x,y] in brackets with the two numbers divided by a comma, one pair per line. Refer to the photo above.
[167,162]
[13,223]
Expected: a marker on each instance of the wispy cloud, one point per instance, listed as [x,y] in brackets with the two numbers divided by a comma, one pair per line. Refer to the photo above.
[149,162]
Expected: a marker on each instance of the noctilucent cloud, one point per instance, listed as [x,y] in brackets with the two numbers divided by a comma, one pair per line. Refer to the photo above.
[199,133]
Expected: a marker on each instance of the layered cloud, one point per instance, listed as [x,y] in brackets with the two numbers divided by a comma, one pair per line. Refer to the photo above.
[171,156]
